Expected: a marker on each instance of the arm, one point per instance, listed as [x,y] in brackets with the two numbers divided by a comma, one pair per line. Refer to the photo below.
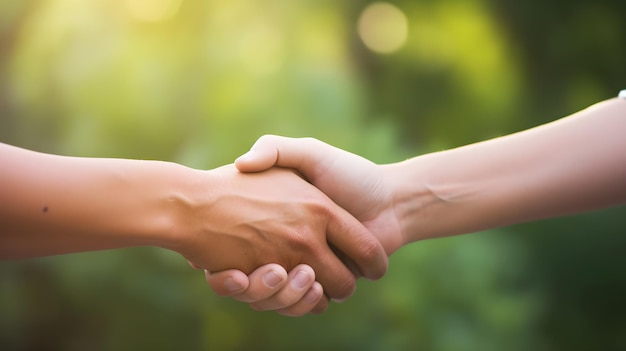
[572,165]
[569,166]
[217,219]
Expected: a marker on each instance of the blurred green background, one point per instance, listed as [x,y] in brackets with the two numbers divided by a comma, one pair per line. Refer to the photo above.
[196,82]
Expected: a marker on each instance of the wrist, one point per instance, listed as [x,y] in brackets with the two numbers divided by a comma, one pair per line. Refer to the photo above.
[151,202]
[429,203]
[411,199]
[180,193]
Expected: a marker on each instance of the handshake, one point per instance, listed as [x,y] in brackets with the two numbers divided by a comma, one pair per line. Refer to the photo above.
[325,215]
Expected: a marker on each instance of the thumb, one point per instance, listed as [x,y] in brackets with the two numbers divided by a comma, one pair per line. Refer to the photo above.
[228,282]
[262,156]
[274,150]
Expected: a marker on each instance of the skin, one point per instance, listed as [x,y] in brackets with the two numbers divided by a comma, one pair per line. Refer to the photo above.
[218,219]
[572,165]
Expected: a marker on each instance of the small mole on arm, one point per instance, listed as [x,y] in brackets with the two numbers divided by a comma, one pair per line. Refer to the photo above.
[44,209]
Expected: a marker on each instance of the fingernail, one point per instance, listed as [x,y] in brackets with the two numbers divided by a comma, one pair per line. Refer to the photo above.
[301,280]
[311,296]
[272,279]
[232,285]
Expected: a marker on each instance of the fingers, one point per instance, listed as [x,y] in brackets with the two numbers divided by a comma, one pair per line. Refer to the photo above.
[312,158]
[270,288]
[357,245]
[260,284]
[227,283]
[265,282]
[322,305]
[271,150]
[313,301]
[338,281]
[354,245]
[299,296]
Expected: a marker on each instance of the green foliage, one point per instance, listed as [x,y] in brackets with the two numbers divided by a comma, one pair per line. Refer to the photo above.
[197,82]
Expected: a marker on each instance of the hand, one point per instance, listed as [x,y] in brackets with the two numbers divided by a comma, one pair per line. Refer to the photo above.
[275,216]
[353,182]
[269,287]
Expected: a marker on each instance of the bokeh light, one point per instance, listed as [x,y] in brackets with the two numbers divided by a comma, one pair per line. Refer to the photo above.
[383,27]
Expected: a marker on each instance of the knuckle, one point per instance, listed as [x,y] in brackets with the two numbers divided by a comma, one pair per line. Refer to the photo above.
[370,249]
[344,289]
[374,257]
[266,138]
[302,240]
[310,141]
[252,295]
[320,209]
[283,301]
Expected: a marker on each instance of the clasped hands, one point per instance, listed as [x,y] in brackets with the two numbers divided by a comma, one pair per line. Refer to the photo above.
[485,185]
[328,233]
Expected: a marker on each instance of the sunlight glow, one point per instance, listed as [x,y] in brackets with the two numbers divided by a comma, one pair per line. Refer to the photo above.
[383,27]
[152,10]
[261,49]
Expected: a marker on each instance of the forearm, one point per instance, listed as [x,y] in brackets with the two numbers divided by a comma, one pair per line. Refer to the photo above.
[54,204]
[571,165]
